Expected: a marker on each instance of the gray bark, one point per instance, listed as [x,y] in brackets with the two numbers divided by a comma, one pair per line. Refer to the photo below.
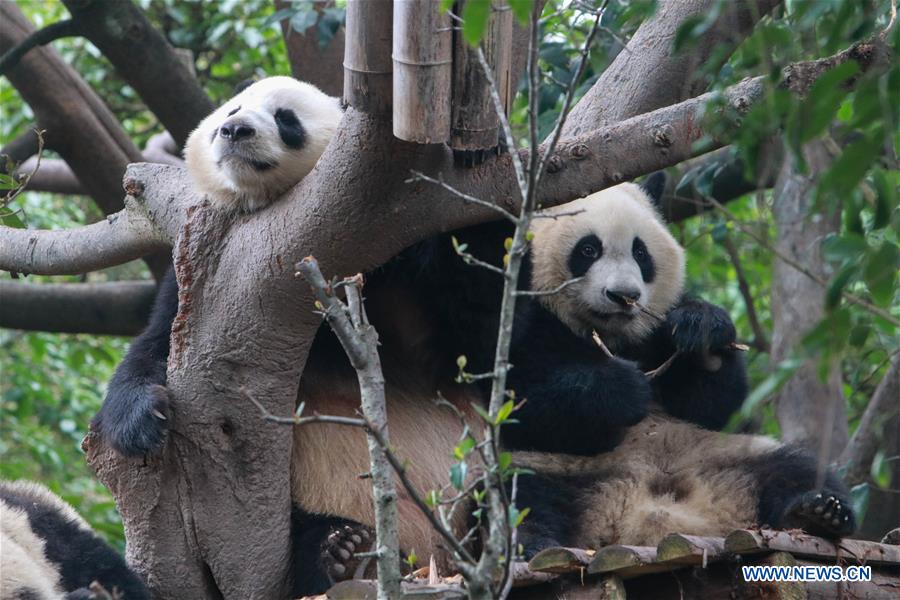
[118,308]
[811,412]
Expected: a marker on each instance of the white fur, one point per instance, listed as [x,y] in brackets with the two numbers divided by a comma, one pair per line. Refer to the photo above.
[222,169]
[23,565]
[616,215]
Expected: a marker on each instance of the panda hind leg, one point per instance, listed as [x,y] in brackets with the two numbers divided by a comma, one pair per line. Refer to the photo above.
[822,513]
[339,552]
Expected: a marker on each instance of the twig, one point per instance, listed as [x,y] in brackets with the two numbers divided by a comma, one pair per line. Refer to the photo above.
[654,373]
[360,342]
[41,37]
[759,336]
[849,297]
[23,181]
[419,176]
[555,290]
[601,345]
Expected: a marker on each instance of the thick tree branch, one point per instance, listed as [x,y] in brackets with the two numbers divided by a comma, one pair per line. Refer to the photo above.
[581,165]
[117,308]
[79,125]
[881,410]
[119,238]
[649,75]
[18,150]
[144,59]
[40,37]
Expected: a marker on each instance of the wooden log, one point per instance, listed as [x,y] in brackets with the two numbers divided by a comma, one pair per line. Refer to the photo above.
[524,576]
[474,120]
[367,55]
[627,561]
[366,589]
[560,560]
[745,541]
[677,548]
[423,59]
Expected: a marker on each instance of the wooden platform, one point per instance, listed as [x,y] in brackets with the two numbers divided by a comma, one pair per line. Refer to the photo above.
[681,567]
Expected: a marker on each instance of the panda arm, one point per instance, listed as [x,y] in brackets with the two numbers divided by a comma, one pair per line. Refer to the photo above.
[688,389]
[128,419]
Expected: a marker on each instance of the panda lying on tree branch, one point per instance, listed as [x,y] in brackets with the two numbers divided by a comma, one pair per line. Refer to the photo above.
[429,308]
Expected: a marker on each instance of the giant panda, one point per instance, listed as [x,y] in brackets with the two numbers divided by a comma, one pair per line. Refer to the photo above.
[664,474]
[235,158]
[48,552]
[242,157]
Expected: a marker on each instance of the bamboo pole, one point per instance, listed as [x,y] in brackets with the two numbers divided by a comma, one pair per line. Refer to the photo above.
[474,122]
[423,58]
[367,59]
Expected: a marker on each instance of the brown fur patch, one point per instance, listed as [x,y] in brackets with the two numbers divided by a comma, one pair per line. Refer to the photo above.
[666,476]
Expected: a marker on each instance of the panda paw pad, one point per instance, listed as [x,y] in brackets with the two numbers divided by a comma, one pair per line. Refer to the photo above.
[824,514]
[339,552]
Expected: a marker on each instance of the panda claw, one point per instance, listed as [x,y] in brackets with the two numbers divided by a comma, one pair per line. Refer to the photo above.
[339,552]
[821,514]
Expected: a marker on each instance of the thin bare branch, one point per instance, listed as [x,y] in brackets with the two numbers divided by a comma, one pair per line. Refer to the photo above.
[41,37]
[556,290]
[419,176]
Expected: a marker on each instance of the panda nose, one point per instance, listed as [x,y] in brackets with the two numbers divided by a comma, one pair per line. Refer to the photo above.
[623,297]
[235,131]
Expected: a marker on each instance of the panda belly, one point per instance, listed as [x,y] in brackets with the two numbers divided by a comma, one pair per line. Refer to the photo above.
[666,476]
[328,459]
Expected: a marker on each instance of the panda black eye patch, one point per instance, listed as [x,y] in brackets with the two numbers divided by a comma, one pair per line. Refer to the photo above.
[584,254]
[642,257]
[289,128]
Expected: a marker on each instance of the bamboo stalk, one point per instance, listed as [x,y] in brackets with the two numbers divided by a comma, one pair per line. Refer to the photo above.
[422,61]
[367,58]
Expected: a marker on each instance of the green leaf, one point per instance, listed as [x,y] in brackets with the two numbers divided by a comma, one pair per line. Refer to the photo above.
[504,412]
[690,29]
[858,335]
[851,166]
[10,218]
[475,19]
[461,361]
[859,496]
[446,5]
[819,108]
[837,285]
[458,475]
[885,199]
[521,9]
[880,273]
[463,448]
[432,499]
[482,413]
[844,248]
[516,516]
[504,460]
[304,19]
[771,384]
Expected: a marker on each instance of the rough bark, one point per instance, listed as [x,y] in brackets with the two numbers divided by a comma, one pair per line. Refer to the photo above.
[648,74]
[310,62]
[144,59]
[811,412]
[79,125]
[119,308]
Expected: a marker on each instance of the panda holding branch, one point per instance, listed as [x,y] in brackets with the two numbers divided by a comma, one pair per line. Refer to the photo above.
[664,475]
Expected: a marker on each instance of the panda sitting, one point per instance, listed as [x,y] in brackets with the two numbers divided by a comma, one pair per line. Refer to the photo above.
[665,475]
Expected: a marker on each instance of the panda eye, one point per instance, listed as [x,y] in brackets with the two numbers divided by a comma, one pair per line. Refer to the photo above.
[234,111]
[590,251]
[640,253]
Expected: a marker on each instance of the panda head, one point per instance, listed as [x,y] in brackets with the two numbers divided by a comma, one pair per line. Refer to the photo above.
[261,142]
[616,241]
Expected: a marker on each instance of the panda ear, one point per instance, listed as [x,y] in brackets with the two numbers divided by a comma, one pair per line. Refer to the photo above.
[655,186]
[243,86]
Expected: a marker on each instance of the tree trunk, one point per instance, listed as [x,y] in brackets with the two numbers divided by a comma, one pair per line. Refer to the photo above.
[811,412]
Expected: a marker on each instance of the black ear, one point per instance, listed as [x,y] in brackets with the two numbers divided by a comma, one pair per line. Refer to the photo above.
[243,86]
[655,186]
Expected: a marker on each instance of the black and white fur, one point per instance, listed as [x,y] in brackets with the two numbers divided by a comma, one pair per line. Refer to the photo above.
[654,473]
[242,157]
[49,552]
[631,292]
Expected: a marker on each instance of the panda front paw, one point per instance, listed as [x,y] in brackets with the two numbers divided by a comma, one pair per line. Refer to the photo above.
[822,514]
[133,418]
[630,392]
[700,328]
